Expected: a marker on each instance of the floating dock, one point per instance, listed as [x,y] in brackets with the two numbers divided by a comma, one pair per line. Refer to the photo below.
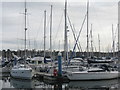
[56,75]
[51,77]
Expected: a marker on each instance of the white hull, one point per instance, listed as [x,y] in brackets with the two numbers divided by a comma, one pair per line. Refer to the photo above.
[24,73]
[92,75]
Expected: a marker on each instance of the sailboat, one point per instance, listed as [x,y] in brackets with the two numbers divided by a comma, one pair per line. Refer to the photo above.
[90,73]
[38,62]
[23,71]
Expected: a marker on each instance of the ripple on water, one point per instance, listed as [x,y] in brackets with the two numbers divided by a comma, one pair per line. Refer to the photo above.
[8,82]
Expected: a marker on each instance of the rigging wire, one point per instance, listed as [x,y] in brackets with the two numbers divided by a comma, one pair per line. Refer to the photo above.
[78,41]
[39,27]
[73,31]
[58,29]
[77,38]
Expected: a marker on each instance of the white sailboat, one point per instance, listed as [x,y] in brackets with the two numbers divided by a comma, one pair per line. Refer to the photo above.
[23,71]
[90,73]
[42,63]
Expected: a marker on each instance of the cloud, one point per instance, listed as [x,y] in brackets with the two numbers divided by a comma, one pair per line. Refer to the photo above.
[102,15]
[61,0]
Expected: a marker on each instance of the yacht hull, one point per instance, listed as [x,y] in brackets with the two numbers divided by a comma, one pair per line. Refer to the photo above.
[92,75]
[23,73]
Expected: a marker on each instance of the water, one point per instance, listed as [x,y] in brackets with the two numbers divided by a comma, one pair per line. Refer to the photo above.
[6,82]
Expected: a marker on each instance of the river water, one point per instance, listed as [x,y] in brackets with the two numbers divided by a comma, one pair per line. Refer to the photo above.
[8,83]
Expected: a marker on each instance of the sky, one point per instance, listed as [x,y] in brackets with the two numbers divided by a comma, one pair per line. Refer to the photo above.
[102,14]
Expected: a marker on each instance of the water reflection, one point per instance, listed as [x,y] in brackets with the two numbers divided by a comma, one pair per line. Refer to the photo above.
[5,81]
[87,85]
[94,85]
[27,84]
[8,82]
[18,83]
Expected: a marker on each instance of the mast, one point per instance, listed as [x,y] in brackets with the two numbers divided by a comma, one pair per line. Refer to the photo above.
[91,42]
[113,44]
[44,32]
[87,29]
[119,34]
[99,44]
[51,33]
[118,43]
[51,37]
[65,37]
[25,28]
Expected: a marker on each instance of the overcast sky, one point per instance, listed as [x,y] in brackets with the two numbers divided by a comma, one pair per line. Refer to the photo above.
[102,14]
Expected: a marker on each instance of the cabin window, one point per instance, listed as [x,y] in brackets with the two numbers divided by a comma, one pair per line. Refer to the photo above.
[39,62]
[32,62]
